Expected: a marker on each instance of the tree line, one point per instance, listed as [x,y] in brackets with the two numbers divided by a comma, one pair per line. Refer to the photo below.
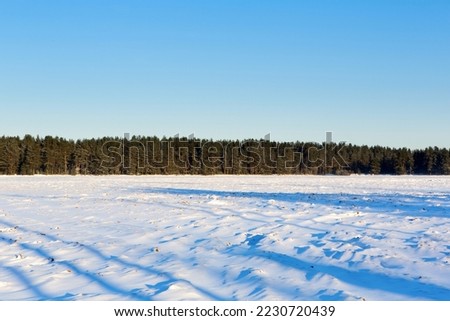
[139,155]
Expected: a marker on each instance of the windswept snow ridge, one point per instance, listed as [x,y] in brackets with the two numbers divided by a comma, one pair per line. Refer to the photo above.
[225,238]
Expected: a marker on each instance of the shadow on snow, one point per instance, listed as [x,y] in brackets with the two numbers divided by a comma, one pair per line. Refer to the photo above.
[403,204]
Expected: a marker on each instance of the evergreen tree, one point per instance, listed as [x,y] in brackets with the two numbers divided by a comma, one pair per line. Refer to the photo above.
[29,163]
[150,155]
[9,155]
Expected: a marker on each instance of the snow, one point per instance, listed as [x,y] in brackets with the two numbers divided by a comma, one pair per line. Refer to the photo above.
[225,238]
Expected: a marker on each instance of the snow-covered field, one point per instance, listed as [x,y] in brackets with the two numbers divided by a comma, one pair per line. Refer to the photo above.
[225,238]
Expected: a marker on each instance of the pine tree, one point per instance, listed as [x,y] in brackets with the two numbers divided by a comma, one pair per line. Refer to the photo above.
[29,163]
[9,155]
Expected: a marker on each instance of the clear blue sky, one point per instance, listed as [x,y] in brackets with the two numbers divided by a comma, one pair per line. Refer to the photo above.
[372,72]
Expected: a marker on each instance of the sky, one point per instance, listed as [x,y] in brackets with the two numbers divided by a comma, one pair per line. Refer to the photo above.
[371,72]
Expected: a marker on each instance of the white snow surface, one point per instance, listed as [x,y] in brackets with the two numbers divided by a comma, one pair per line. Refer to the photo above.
[225,238]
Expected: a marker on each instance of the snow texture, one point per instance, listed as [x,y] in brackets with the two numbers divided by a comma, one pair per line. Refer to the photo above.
[225,238]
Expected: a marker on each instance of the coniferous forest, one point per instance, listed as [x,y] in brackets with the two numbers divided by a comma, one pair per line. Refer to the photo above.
[139,155]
